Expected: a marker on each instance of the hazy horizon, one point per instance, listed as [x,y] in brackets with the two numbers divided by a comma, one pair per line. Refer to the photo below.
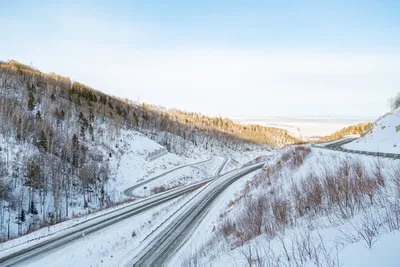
[223,58]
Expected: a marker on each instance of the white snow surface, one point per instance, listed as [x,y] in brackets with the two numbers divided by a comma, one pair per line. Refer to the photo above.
[384,136]
[214,249]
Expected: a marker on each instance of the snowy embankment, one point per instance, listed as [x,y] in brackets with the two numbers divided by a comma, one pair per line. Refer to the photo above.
[308,207]
[133,165]
[383,136]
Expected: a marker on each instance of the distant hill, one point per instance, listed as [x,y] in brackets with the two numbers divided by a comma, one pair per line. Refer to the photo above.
[357,129]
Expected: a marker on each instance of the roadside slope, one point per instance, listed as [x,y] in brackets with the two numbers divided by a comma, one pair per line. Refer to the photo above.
[382,136]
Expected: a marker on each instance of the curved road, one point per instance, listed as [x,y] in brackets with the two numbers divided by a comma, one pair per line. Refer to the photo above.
[129,192]
[78,231]
[337,146]
[91,225]
[164,245]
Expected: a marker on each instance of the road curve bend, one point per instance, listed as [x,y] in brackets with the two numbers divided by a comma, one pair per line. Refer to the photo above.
[164,245]
[128,192]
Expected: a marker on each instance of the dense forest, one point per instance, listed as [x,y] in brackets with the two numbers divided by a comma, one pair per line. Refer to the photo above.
[64,132]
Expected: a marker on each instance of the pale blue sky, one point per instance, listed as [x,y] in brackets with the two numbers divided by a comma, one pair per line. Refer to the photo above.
[229,58]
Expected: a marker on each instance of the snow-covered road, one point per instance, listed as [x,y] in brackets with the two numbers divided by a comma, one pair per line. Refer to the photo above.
[46,244]
[128,192]
[339,143]
[159,250]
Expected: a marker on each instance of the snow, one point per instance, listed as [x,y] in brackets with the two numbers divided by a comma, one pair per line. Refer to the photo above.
[183,176]
[133,165]
[200,194]
[326,232]
[204,231]
[385,252]
[384,136]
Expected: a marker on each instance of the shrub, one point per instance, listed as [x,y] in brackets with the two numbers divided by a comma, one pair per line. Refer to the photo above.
[227,228]
[295,157]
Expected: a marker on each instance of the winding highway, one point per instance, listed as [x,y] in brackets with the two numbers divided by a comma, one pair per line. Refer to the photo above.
[89,226]
[95,224]
[166,243]
[129,192]
[337,146]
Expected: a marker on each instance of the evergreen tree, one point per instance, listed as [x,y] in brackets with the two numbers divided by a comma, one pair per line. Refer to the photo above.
[22,215]
[83,122]
[32,208]
[42,142]
[75,151]
[91,114]
[38,115]
[31,98]
[91,131]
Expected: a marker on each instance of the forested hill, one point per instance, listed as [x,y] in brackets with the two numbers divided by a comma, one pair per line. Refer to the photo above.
[54,99]
[61,145]
[357,129]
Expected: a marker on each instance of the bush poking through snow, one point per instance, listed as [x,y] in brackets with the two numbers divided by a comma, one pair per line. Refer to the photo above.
[290,196]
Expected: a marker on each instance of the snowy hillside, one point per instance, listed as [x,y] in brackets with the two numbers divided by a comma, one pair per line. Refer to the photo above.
[307,207]
[383,136]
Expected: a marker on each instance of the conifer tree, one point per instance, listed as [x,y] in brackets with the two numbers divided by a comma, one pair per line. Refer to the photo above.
[75,151]
[31,98]
[42,142]
[38,115]
[22,215]
[32,208]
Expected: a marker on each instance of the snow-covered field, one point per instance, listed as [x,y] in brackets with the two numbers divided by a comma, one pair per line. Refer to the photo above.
[384,135]
[306,127]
